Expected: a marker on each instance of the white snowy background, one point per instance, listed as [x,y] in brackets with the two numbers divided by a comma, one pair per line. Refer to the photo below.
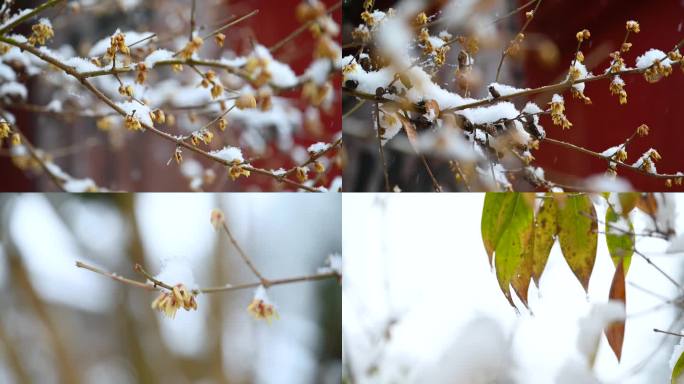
[417,262]
[286,235]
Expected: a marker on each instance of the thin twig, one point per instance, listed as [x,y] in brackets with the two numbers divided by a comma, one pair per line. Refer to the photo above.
[35,11]
[244,256]
[114,276]
[382,151]
[224,288]
[609,159]
[299,30]
[667,332]
[505,51]
[435,183]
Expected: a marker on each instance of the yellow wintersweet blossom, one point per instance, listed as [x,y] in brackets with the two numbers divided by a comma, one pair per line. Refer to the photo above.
[261,307]
[217,218]
[169,302]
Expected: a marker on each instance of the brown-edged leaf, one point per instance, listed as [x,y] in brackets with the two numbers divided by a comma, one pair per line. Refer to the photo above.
[523,276]
[513,243]
[648,204]
[578,235]
[545,232]
[615,333]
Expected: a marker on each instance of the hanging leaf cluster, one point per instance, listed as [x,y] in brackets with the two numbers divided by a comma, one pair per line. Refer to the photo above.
[519,230]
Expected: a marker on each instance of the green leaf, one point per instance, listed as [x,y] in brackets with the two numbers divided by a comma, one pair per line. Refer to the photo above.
[496,213]
[545,231]
[513,243]
[678,370]
[619,237]
[578,235]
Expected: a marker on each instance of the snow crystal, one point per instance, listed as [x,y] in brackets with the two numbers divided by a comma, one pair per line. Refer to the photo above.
[159,55]
[16,16]
[333,263]
[177,271]
[81,65]
[436,42]
[79,185]
[16,55]
[19,151]
[45,21]
[448,143]
[318,71]
[490,114]
[505,90]
[393,40]
[392,126]
[336,184]
[130,37]
[318,147]
[54,106]
[369,81]
[279,172]
[591,326]
[645,156]
[56,171]
[532,108]
[229,154]
[139,111]
[650,56]
[7,73]
[281,74]
[610,152]
[282,116]
[260,294]
[583,74]
[13,88]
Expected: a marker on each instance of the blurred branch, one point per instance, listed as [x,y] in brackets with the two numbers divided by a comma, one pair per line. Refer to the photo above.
[301,29]
[67,371]
[13,358]
[228,287]
[28,15]
[244,256]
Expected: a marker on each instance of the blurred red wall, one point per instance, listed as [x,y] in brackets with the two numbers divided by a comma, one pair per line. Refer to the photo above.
[605,123]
